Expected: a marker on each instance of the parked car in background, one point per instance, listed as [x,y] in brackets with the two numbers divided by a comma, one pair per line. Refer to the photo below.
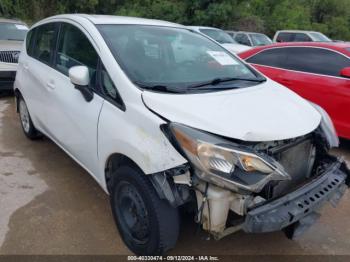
[12,34]
[221,37]
[252,39]
[207,131]
[299,36]
[319,72]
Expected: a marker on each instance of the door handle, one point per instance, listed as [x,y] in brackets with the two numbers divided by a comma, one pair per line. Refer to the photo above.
[50,85]
[25,66]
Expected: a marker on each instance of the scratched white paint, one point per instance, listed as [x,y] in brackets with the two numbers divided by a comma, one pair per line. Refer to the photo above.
[17,186]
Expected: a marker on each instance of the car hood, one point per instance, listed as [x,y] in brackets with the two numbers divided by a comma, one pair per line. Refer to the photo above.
[265,112]
[236,48]
[6,45]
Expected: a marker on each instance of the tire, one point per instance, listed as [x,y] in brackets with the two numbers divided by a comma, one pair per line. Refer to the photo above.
[148,225]
[26,121]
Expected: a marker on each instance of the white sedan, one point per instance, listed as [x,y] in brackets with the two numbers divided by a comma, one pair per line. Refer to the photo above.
[221,37]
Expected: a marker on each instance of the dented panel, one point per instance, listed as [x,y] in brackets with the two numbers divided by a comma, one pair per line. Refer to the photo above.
[266,112]
[144,143]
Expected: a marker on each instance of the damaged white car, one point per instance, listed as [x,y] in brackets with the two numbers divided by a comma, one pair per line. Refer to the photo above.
[164,118]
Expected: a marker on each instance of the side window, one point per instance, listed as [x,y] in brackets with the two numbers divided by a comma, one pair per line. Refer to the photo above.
[109,88]
[44,42]
[316,60]
[245,40]
[275,57]
[239,38]
[301,37]
[75,49]
[29,42]
[284,37]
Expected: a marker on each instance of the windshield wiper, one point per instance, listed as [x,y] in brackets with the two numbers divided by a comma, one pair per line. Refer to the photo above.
[217,81]
[159,88]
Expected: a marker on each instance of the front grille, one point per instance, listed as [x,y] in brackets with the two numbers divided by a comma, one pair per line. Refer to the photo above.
[298,162]
[9,56]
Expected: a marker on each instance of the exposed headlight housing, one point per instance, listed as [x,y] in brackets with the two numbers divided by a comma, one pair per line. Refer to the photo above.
[327,127]
[224,163]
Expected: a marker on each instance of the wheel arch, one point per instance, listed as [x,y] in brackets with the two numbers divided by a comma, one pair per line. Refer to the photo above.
[162,182]
[113,162]
[18,94]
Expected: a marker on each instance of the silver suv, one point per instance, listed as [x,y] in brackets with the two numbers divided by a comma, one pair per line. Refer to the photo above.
[12,34]
[299,36]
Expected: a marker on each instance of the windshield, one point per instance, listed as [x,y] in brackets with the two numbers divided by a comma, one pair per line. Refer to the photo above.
[219,36]
[318,37]
[11,31]
[260,39]
[166,56]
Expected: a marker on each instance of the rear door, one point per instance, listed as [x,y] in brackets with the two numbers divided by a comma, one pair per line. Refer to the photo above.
[36,71]
[73,121]
[314,73]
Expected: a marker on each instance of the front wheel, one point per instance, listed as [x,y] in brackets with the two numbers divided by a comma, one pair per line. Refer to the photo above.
[26,121]
[148,225]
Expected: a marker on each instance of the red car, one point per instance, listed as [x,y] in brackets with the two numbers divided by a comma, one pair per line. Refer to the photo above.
[319,72]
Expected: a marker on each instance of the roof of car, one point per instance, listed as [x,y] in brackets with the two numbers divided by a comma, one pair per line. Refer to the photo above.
[246,32]
[13,21]
[203,27]
[338,46]
[109,19]
[296,31]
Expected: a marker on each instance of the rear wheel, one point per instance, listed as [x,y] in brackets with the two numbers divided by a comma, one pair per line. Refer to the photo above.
[147,224]
[26,121]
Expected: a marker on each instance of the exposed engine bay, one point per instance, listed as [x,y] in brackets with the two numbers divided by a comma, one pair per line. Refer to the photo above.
[229,202]
[303,158]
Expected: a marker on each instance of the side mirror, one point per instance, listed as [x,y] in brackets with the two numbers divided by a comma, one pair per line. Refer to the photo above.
[80,78]
[345,72]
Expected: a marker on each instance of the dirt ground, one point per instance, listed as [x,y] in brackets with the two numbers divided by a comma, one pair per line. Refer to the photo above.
[50,205]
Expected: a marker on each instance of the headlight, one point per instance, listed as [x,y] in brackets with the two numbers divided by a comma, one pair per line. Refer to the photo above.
[225,163]
[327,127]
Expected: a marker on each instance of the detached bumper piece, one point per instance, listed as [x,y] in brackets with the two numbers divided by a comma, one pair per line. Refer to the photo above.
[296,211]
[7,78]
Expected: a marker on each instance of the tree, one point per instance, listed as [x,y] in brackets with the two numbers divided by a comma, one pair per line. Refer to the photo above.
[158,9]
[331,17]
[288,15]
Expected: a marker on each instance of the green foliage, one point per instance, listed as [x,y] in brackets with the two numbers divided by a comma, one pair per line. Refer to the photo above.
[156,9]
[331,17]
[289,15]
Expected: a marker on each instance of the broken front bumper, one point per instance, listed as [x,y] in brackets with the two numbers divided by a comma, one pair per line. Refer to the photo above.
[301,204]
